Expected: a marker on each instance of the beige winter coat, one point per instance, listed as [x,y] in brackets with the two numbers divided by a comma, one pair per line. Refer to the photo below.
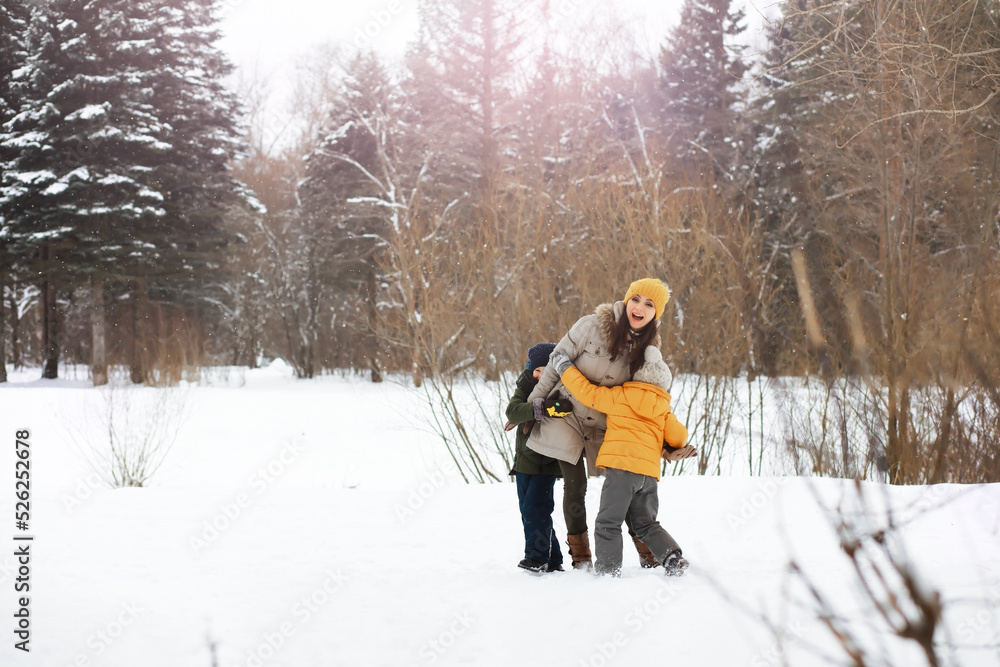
[586,344]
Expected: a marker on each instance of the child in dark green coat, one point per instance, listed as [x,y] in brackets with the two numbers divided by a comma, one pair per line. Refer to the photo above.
[534,473]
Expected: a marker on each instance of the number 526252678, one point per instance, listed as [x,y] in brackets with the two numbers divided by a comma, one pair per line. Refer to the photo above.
[22,474]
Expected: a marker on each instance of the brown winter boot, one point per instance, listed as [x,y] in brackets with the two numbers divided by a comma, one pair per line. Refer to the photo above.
[579,549]
[646,558]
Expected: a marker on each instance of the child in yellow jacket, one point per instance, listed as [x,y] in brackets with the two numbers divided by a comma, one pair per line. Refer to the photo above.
[641,430]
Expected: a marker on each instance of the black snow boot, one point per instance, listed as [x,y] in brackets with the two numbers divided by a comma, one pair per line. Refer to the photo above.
[533,566]
[674,564]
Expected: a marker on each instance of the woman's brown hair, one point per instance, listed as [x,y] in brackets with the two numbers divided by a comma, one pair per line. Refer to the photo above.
[623,336]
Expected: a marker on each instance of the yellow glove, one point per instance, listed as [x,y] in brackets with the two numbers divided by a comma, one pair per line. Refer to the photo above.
[557,406]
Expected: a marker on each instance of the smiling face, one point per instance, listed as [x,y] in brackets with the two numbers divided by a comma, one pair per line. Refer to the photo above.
[640,311]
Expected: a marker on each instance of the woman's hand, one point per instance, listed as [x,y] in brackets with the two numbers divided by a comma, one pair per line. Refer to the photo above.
[671,454]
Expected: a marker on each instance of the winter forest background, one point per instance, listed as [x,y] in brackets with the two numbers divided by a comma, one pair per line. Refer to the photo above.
[825,209]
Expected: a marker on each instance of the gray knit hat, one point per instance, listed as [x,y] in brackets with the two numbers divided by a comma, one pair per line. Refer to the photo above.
[654,370]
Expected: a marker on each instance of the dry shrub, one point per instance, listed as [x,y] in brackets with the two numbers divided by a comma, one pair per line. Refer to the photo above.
[707,409]
[940,399]
[965,418]
[897,141]
[895,600]
[136,427]
[442,299]
[834,428]
[176,349]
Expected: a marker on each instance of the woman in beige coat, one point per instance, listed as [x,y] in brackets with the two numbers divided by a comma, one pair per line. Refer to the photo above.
[607,347]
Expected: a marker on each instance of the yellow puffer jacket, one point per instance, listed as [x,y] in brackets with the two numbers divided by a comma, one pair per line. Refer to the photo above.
[639,422]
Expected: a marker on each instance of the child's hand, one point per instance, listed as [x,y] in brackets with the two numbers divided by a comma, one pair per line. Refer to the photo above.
[671,454]
[557,406]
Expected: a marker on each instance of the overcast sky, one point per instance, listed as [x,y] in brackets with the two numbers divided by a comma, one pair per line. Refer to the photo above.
[277,29]
[267,36]
[269,33]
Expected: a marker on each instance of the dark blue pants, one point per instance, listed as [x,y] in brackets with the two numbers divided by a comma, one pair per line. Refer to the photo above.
[535,498]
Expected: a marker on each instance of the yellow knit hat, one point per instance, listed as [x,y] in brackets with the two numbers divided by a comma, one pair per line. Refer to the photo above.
[652,288]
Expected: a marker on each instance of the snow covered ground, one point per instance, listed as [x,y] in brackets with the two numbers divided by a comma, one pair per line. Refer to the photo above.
[315,523]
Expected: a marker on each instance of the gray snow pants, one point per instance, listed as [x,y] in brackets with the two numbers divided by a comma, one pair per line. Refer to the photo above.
[627,492]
